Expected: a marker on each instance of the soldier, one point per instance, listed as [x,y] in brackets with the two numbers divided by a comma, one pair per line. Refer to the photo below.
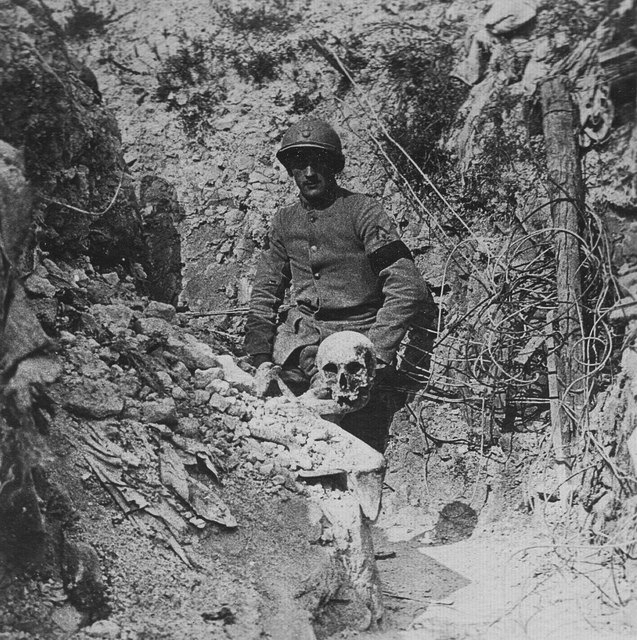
[346,266]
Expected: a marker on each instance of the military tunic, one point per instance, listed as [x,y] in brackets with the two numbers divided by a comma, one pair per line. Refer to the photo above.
[347,269]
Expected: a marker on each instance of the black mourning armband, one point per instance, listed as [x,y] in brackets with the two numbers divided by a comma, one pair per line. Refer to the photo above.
[387,255]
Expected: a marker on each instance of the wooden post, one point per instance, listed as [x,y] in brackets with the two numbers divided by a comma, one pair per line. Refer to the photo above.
[566,194]
[558,432]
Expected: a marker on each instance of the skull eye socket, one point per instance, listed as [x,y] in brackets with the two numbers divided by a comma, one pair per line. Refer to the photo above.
[330,369]
[353,367]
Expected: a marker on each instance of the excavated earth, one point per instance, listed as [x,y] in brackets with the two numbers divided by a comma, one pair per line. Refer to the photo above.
[167,519]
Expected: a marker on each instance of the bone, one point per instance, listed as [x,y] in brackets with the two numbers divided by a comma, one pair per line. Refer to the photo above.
[346,363]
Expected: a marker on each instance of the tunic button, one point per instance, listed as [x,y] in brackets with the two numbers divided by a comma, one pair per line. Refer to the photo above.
[313,247]
[317,275]
[312,218]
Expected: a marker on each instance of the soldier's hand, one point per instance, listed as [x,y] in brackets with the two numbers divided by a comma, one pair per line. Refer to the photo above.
[382,374]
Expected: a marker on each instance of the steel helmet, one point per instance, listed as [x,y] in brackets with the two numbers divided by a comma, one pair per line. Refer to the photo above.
[312,134]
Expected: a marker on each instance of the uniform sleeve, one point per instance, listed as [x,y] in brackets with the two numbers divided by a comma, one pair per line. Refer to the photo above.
[271,280]
[405,293]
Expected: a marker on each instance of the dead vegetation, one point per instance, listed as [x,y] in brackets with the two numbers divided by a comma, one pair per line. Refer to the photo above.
[86,21]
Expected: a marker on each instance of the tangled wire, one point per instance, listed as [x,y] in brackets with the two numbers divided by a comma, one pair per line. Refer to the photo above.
[501,351]
[499,348]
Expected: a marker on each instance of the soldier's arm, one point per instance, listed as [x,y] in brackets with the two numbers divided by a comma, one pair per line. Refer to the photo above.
[405,292]
[271,281]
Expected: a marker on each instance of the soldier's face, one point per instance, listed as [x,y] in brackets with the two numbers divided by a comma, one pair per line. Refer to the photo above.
[313,173]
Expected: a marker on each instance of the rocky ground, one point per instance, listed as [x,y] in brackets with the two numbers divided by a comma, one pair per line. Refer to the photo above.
[177,522]
[171,516]
[154,473]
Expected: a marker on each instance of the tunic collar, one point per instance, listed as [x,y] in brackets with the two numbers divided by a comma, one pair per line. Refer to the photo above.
[331,197]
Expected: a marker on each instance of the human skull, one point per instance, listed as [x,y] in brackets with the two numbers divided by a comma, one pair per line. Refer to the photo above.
[346,362]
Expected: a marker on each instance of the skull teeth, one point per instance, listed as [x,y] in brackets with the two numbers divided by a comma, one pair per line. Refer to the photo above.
[346,361]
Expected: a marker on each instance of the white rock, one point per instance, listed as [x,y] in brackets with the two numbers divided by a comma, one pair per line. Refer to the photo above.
[39,286]
[165,379]
[161,310]
[201,396]
[67,337]
[235,375]
[112,278]
[219,402]
[116,317]
[97,399]
[162,411]
[181,370]
[193,353]
[78,275]
[505,16]
[67,617]
[155,327]
[203,377]
[103,629]
[219,386]
[178,393]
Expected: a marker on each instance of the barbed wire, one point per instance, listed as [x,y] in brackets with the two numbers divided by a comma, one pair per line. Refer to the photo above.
[497,347]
